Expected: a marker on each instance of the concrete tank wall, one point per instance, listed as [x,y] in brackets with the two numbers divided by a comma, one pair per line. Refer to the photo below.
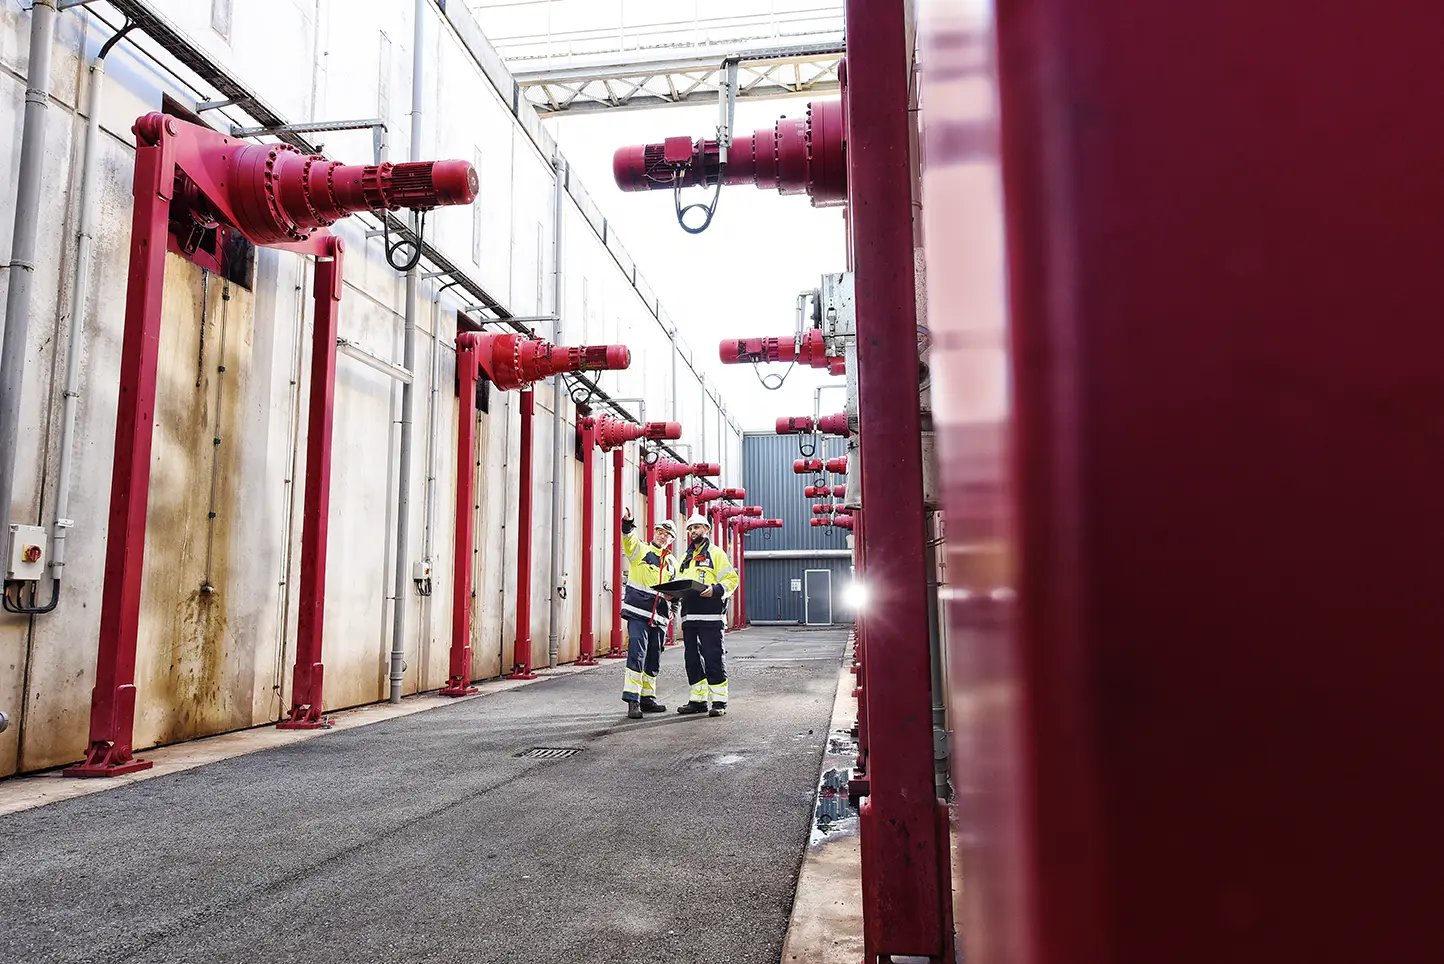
[217,636]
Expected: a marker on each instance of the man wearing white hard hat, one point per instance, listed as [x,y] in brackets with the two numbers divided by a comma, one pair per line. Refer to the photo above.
[646,611]
[704,617]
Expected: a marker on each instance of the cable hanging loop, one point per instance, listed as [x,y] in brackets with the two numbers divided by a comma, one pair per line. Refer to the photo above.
[710,207]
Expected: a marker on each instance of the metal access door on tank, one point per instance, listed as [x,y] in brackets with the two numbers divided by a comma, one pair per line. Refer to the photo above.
[817,597]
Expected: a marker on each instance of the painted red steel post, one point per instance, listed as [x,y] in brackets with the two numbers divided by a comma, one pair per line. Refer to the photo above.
[521,650]
[309,674]
[458,682]
[618,644]
[907,890]
[586,426]
[672,514]
[112,708]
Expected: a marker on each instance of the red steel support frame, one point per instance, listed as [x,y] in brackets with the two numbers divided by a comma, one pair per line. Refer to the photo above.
[587,430]
[521,650]
[458,682]
[160,152]
[273,196]
[906,876]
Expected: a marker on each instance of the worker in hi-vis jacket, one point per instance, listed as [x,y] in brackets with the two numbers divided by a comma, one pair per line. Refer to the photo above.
[646,611]
[704,616]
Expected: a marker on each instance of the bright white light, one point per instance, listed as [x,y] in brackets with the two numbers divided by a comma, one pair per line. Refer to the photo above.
[855,596]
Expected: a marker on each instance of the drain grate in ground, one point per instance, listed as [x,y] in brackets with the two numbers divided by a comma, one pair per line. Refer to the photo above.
[550,752]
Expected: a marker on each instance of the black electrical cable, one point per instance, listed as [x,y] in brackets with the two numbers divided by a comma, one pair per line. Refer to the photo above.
[806,449]
[710,207]
[19,608]
[115,38]
[393,247]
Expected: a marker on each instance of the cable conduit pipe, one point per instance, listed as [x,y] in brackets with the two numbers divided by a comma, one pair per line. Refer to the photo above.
[557,565]
[408,355]
[21,266]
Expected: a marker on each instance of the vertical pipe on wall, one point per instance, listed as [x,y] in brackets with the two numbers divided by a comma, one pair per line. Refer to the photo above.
[21,268]
[558,543]
[521,651]
[408,361]
[79,304]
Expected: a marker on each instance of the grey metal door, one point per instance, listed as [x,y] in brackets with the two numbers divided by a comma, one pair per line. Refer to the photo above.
[817,597]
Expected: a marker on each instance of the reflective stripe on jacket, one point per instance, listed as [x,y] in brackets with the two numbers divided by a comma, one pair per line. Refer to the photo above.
[709,565]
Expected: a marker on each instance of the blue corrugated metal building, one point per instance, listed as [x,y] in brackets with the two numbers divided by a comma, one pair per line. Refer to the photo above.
[796,574]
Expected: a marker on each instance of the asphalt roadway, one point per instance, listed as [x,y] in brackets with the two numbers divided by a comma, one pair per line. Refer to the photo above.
[428,839]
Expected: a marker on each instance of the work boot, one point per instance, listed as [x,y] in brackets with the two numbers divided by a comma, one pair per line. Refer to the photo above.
[634,710]
[718,709]
[692,707]
[650,705]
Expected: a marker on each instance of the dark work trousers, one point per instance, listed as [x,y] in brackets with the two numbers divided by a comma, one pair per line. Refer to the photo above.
[644,659]
[706,668]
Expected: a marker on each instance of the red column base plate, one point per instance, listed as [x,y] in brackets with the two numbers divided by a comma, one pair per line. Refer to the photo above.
[459,691]
[91,770]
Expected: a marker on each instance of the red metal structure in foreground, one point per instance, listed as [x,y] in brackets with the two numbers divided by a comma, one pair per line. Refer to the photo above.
[611,435]
[1196,563]
[907,892]
[510,362]
[189,179]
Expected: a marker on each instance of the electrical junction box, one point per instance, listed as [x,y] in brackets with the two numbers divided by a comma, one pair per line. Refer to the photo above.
[27,556]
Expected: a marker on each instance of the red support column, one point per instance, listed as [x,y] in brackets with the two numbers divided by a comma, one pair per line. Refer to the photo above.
[587,428]
[618,644]
[672,514]
[739,544]
[907,909]
[458,682]
[308,675]
[112,707]
[521,650]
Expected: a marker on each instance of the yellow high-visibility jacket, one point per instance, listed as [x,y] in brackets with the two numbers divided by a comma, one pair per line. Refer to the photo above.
[709,565]
[647,565]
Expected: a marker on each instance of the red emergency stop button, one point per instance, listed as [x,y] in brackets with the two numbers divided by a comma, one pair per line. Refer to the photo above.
[30,553]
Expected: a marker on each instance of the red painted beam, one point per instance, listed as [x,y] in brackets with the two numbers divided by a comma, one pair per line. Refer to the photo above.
[586,427]
[907,907]
[458,681]
[618,643]
[521,650]
[112,707]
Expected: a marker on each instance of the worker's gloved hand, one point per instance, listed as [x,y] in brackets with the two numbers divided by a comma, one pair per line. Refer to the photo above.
[705,592]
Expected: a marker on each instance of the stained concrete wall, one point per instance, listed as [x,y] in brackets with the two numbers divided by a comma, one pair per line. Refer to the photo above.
[217,632]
